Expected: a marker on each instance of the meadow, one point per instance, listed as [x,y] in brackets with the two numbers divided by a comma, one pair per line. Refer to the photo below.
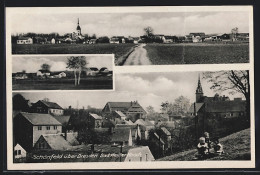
[197,53]
[88,83]
[118,49]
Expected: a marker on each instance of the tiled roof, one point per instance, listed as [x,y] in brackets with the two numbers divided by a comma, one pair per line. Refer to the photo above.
[51,104]
[23,38]
[121,114]
[95,116]
[225,106]
[40,119]
[57,142]
[62,119]
[121,134]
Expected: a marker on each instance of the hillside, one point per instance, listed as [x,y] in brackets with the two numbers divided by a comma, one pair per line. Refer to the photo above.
[236,147]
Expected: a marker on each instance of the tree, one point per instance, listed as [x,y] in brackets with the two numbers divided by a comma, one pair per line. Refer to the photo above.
[77,63]
[20,103]
[234,33]
[45,67]
[181,105]
[234,81]
[150,110]
[148,31]
[165,107]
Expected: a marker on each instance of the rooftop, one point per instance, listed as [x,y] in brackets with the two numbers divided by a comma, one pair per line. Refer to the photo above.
[40,119]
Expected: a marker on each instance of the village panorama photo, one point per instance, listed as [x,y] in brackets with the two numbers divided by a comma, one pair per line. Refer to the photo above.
[137,36]
[67,72]
[163,116]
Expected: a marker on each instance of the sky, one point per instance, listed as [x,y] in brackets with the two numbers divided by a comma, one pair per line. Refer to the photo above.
[31,64]
[132,24]
[149,89]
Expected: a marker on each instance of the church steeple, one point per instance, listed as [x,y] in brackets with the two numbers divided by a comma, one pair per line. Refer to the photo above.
[199,91]
[78,28]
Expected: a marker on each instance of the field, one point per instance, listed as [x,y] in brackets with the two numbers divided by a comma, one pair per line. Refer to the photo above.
[236,147]
[88,83]
[197,53]
[117,49]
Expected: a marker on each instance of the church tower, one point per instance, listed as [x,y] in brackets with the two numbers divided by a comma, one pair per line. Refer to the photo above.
[78,29]
[199,91]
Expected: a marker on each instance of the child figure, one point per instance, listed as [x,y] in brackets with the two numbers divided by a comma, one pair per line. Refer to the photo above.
[218,148]
[202,148]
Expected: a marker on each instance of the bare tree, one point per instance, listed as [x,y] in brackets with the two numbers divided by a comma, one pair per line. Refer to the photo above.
[77,63]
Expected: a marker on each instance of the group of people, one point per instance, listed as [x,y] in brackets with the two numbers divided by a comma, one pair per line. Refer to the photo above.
[207,148]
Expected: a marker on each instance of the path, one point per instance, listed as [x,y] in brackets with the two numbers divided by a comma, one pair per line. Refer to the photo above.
[138,57]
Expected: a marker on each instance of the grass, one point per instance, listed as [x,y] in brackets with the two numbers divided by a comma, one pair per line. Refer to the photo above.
[236,147]
[89,83]
[197,53]
[117,49]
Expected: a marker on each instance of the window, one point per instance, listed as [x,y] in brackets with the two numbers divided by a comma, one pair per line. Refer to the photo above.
[55,127]
[48,127]
[39,127]
[17,152]
[146,157]
[140,159]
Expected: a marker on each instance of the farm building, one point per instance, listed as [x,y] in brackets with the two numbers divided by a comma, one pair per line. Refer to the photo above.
[131,109]
[47,107]
[28,127]
[144,153]
[122,135]
[24,40]
[19,152]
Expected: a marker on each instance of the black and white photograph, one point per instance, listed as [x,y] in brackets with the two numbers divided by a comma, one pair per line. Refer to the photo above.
[163,116]
[130,87]
[137,36]
[75,72]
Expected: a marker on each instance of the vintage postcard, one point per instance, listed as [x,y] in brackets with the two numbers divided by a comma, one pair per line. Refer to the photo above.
[72,106]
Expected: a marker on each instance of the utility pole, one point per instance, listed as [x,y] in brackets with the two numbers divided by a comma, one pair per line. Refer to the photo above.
[121,150]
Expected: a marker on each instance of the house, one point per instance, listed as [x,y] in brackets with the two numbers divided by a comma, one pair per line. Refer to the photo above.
[19,151]
[122,136]
[170,39]
[117,39]
[58,75]
[133,110]
[24,40]
[92,41]
[43,73]
[20,75]
[114,40]
[64,120]
[47,107]
[52,142]
[94,120]
[52,41]
[217,106]
[28,127]
[92,71]
[143,152]
[144,124]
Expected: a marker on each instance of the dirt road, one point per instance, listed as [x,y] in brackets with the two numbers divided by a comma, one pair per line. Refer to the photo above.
[138,57]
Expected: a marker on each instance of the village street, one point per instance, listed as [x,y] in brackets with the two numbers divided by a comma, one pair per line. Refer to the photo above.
[138,57]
